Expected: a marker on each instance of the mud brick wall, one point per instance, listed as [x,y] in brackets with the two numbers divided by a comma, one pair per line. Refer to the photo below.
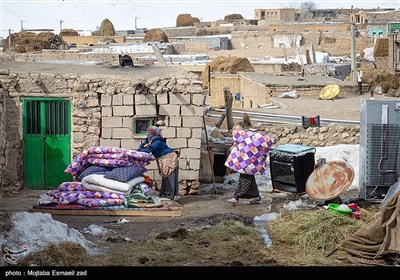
[103,113]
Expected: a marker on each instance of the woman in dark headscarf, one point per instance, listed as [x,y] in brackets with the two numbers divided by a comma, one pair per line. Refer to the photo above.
[167,161]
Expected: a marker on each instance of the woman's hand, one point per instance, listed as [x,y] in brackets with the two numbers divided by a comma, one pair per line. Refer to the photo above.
[146,145]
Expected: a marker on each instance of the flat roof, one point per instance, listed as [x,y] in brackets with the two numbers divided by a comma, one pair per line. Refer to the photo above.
[308,80]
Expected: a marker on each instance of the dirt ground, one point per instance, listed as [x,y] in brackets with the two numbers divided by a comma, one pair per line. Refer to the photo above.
[199,212]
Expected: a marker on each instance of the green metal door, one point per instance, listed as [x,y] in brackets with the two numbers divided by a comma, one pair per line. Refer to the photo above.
[47,137]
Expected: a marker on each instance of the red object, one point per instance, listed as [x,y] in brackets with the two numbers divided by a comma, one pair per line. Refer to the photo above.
[353,207]
[355,215]
[312,120]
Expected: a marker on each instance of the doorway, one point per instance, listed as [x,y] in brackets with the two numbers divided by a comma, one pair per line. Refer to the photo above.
[47,142]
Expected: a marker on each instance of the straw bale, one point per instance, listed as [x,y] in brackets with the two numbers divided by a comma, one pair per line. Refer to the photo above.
[69,32]
[381,47]
[23,42]
[385,79]
[155,35]
[184,20]
[226,64]
[233,16]
[196,20]
[107,28]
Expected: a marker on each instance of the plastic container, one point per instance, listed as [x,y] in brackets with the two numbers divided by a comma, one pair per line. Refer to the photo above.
[341,209]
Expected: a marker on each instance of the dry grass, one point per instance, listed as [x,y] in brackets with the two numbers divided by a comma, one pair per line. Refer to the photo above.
[375,77]
[301,239]
[63,254]
[381,48]
[155,35]
[184,20]
[226,64]
[107,28]
[308,236]
[69,32]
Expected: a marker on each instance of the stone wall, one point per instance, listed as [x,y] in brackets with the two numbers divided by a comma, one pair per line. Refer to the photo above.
[315,136]
[2,139]
[103,113]
[307,91]
[11,177]
[179,31]
[329,135]
[68,55]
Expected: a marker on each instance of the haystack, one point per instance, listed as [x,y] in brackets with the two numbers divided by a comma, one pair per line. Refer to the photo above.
[381,48]
[196,20]
[24,42]
[184,20]
[226,64]
[155,35]
[233,17]
[386,80]
[69,32]
[107,28]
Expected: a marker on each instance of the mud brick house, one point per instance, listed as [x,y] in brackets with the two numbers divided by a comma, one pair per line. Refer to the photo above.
[51,112]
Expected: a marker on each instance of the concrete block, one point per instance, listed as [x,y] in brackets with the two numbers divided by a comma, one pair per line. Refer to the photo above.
[106,100]
[117,99]
[122,111]
[111,121]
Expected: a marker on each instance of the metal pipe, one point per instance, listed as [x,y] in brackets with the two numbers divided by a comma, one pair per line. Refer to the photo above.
[287,116]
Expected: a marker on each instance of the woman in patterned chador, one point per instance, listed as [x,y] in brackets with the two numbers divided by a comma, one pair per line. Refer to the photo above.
[248,156]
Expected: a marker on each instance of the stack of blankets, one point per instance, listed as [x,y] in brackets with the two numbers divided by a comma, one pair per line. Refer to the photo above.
[106,176]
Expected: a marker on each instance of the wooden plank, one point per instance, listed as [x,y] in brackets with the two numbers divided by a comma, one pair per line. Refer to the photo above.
[159,55]
[174,212]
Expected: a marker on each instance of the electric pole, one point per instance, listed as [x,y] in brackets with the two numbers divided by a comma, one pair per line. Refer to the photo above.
[136,18]
[22,24]
[353,52]
[9,40]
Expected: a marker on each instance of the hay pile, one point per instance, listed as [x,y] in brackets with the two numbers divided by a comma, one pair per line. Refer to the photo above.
[375,77]
[233,17]
[381,48]
[226,64]
[196,20]
[63,254]
[107,28]
[155,35]
[69,32]
[184,20]
[329,40]
[24,42]
[308,235]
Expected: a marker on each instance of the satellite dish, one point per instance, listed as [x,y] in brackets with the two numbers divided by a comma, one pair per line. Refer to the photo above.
[329,92]
[329,180]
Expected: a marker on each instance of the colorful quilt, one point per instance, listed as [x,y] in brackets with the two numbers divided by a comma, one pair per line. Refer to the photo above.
[73,193]
[249,152]
[107,156]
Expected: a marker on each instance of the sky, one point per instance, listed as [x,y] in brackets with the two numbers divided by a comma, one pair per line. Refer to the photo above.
[87,15]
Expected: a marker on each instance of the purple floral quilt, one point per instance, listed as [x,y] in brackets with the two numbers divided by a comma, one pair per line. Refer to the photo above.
[107,156]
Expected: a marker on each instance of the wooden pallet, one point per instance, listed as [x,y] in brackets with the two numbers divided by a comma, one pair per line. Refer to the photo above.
[173,211]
